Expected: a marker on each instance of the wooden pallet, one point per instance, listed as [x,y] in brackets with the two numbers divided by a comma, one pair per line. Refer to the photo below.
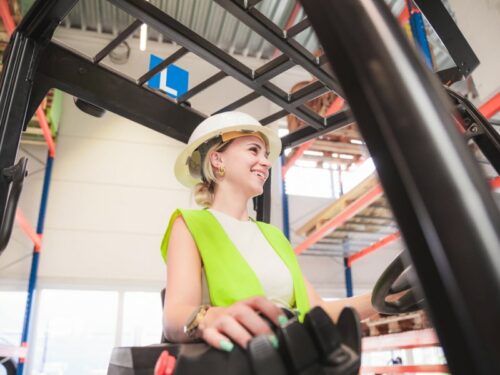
[396,323]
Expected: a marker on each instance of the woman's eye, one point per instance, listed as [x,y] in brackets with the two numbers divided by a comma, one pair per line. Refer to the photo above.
[254,149]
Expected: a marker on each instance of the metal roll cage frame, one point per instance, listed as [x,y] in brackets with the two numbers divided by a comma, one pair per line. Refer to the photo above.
[442,203]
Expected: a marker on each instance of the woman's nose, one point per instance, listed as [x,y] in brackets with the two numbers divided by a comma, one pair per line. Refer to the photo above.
[265,162]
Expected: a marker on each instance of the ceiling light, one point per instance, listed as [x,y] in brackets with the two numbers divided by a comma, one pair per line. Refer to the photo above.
[345,156]
[143,37]
[313,153]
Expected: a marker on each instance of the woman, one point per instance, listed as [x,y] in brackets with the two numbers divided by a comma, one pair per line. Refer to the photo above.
[225,270]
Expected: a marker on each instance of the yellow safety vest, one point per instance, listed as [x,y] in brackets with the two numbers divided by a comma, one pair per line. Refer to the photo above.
[224,264]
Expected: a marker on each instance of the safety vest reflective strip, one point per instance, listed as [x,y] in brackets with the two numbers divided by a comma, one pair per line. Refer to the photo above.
[229,277]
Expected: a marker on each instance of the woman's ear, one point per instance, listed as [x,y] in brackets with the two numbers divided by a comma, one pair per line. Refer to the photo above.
[215,159]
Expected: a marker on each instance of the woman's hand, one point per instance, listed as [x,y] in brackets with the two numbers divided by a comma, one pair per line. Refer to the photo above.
[240,322]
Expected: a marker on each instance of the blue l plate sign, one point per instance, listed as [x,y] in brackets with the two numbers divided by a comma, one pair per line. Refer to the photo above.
[172,80]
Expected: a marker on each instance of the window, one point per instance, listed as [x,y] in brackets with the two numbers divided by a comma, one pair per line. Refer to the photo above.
[384,358]
[305,178]
[13,304]
[415,356]
[142,319]
[432,355]
[311,182]
[74,332]
[356,174]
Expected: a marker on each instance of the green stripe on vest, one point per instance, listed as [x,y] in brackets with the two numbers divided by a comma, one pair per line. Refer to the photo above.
[229,277]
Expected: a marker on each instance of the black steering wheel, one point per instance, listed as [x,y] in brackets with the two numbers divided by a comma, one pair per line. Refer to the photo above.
[396,279]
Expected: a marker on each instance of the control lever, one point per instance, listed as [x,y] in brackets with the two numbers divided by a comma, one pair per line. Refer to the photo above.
[338,345]
[264,358]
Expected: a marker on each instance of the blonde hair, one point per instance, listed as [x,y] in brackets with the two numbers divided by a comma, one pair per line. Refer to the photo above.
[203,192]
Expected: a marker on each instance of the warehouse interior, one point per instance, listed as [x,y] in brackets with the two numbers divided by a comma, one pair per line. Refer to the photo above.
[111,188]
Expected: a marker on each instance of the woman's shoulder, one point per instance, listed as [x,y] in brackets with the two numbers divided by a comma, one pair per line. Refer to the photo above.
[178,225]
[190,218]
[186,212]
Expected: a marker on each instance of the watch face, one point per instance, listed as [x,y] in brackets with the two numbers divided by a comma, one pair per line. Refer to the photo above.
[191,327]
[192,318]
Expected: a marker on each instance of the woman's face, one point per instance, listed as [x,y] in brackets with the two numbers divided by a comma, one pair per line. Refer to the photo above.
[245,163]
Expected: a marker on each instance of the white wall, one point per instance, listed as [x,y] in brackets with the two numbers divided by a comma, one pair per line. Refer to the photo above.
[112,191]
[479,21]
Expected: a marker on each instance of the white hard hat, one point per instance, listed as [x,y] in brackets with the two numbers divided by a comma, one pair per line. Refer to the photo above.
[229,124]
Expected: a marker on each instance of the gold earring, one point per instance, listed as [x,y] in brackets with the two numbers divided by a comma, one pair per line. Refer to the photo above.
[222,171]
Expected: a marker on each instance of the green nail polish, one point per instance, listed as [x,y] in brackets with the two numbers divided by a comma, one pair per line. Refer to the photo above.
[282,320]
[274,341]
[225,345]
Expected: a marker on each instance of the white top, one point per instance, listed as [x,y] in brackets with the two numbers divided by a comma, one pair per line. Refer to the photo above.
[272,273]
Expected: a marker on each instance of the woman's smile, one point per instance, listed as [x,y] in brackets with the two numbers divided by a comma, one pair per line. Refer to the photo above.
[262,175]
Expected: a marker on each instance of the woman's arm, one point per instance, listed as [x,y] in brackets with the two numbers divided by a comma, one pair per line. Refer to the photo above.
[183,290]
[362,303]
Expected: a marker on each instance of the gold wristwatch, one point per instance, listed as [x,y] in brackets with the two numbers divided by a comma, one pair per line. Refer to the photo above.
[192,324]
